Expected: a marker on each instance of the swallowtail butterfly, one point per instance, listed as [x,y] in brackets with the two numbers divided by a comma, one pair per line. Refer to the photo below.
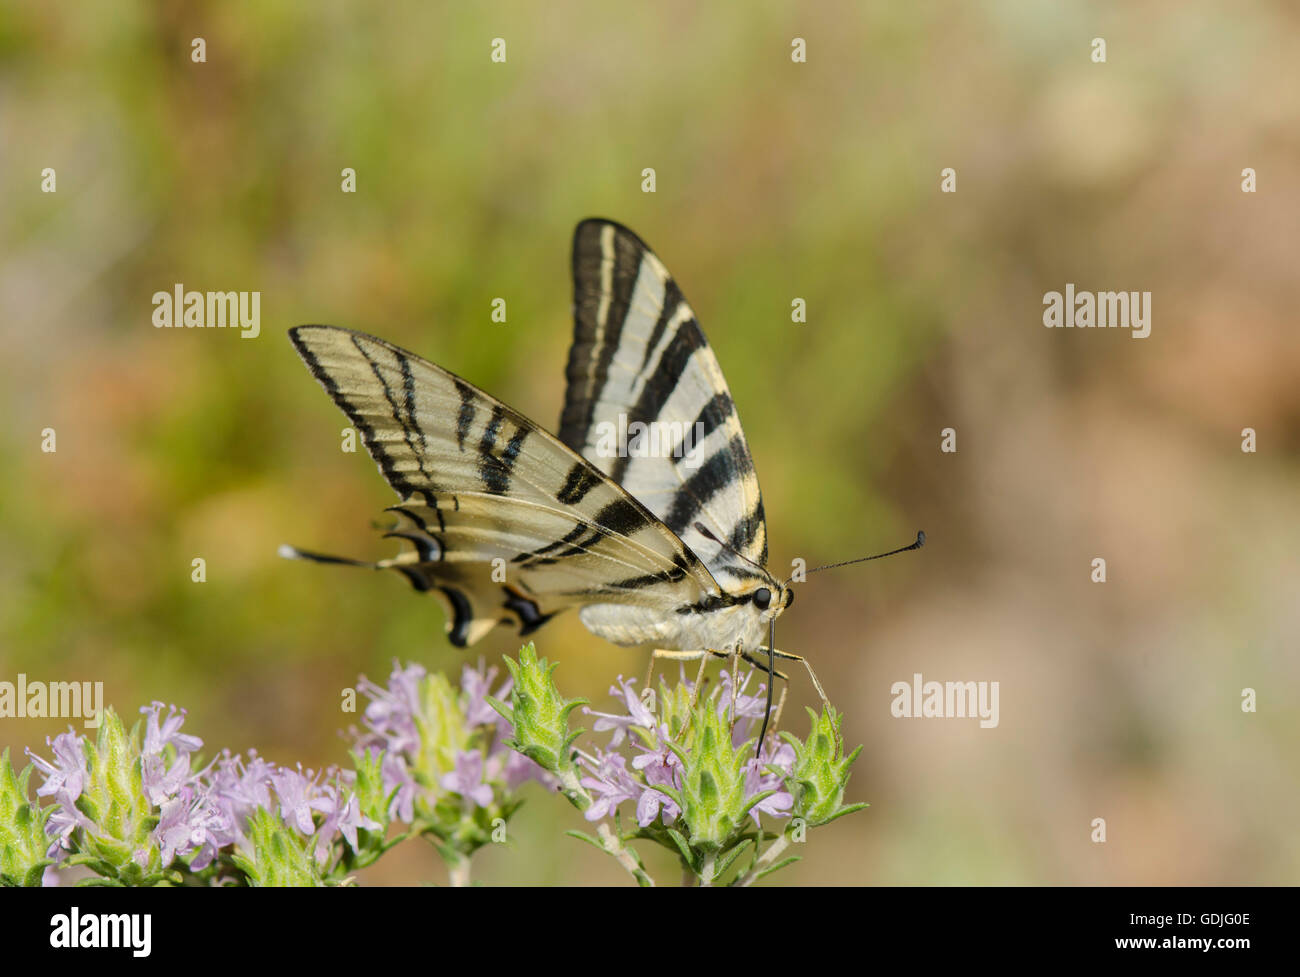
[664,547]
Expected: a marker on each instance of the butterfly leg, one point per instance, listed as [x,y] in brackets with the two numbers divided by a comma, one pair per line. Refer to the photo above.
[735,678]
[699,677]
[777,652]
[761,665]
[647,690]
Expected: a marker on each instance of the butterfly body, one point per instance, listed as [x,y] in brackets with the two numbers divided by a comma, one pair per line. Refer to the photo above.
[720,628]
[506,523]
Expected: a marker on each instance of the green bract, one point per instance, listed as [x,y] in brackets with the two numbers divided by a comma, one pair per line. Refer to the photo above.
[821,770]
[276,855]
[22,829]
[539,714]
[440,725]
[114,801]
[369,786]
[712,794]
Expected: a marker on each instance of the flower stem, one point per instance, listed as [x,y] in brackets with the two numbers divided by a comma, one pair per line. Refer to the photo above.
[625,857]
[707,869]
[767,859]
[458,871]
[571,787]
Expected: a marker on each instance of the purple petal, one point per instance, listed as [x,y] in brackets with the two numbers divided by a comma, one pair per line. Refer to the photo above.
[65,778]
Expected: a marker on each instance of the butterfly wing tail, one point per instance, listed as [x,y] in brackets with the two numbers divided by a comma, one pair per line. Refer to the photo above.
[293,553]
[473,601]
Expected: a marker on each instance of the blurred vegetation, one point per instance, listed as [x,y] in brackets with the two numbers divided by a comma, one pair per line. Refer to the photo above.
[775,180]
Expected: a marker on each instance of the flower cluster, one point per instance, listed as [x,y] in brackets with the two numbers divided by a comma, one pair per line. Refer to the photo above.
[136,808]
[444,758]
[119,802]
[258,805]
[687,761]
[131,808]
[440,760]
[659,745]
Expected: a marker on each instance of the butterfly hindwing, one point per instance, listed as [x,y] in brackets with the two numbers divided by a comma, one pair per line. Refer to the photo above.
[504,521]
[640,358]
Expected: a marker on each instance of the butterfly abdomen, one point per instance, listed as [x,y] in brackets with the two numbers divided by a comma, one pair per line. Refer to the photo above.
[717,629]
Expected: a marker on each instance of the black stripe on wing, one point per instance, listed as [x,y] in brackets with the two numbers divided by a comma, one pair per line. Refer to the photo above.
[387,467]
[639,357]
[661,384]
[604,254]
[721,471]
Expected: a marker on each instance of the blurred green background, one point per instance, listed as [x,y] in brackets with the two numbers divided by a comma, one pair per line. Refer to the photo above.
[775,180]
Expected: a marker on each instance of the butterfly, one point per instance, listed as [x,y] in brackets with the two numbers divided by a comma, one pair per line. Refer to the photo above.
[644,514]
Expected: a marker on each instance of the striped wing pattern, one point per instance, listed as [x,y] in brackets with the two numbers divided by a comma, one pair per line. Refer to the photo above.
[638,356]
[486,495]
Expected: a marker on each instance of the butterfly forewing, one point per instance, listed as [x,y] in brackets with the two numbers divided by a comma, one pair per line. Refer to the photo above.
[639,358]
[505,522]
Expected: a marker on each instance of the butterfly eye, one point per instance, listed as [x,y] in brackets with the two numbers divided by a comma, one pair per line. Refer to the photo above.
[762,598]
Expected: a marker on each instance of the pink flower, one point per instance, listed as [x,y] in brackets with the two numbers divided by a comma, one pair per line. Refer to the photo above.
[637,713]
[66,777]
[160,733]
[467,778]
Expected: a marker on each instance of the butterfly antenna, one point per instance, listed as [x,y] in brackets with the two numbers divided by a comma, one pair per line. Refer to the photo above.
[920,541]
[703,531]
